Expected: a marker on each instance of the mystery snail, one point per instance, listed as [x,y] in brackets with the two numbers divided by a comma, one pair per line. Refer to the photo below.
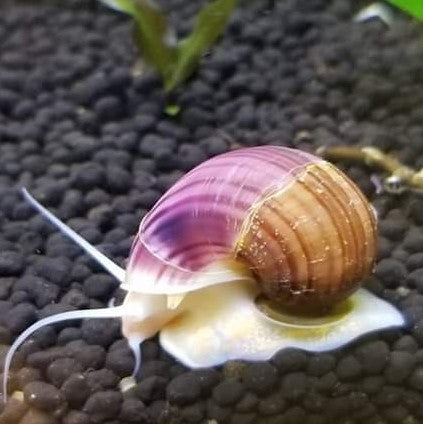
[252,251]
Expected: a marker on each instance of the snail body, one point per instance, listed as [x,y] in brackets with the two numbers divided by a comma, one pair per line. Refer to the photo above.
[259,223]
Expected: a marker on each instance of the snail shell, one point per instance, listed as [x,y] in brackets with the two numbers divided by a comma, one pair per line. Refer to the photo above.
[300,225]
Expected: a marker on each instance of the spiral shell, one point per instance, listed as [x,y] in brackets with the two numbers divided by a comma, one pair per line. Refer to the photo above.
[298,223]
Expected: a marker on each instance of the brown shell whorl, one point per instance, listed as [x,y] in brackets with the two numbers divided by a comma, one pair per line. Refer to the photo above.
[311,242]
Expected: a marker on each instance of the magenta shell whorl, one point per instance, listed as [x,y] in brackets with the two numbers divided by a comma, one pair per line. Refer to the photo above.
[198,220]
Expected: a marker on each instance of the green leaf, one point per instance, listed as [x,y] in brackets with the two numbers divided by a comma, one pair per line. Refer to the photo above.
[174,62]
[120,5]
[208,25]
[172,110]
[153,36]
[413,7]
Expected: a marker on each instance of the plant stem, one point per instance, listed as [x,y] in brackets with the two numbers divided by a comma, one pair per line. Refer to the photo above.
[374,157]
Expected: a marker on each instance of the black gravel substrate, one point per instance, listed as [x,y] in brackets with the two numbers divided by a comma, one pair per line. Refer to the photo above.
[84,130]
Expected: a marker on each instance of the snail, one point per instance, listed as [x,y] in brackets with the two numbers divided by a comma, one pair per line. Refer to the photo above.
[250,252]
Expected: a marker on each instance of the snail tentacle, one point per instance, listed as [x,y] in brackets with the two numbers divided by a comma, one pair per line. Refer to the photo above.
[111,267]
[115,312]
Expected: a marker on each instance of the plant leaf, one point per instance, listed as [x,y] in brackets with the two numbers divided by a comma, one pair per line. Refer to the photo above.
[153,37]
[208,25]
[413,7]
[113,4]
[172,110]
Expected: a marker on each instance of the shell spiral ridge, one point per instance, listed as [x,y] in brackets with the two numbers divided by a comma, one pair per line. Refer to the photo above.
[297,222]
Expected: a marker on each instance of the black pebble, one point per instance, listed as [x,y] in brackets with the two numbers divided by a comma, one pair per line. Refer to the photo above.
[43,292]
[154,367]
[118,179]
[102,215]
[415,261]
[43,396]
[152,388]
[294,415]
[193,413]
[416,379]
[100,331]
[68,334]
[396,414]
[228,392]
[120,361]
[393,229]
[109,108]
[373,356]
[260,377]
[6,284]
[133,411]
[75,389]
[190,155]
[207,378]
[388,395]
[247,403]
[272,405]
[195,117]
[294,385]
[89,356]
[43,358]
[60,369]
[413,242]
[415,279]
[399,367]
[348,368]
[406,344]
[20,317]
[183,389]
[152,142]
[384,248]
[99,286]
[216,412]
[88,176]
[76,417]
[96,197]
[102,406]
[76,299]
[315,402]
[289,360]
[320,364]
[19,297]
[391,272]
[215,145]
[11,263]
[27,375]
[103,379]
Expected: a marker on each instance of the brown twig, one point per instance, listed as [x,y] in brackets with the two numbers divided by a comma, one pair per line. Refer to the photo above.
[400,176]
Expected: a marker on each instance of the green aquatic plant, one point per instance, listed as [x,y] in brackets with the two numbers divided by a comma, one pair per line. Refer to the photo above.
[413,7]
[174,60]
